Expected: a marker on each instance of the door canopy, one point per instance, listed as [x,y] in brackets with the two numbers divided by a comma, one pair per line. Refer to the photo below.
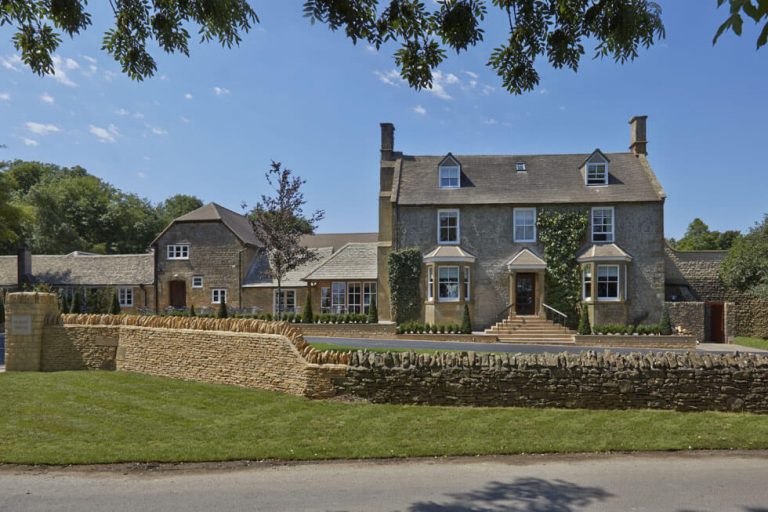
[526,260]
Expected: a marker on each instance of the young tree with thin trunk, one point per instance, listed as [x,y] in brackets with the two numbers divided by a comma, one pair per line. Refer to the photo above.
[279,223]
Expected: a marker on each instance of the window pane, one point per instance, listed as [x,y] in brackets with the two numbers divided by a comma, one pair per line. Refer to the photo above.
[448,282]
[449,226]
[449,176]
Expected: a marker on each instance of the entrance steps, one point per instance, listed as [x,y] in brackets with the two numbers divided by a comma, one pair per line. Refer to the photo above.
[530,329]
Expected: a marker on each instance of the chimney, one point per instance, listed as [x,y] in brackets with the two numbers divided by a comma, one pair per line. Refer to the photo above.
[387,141]
[637,140]
[24,267]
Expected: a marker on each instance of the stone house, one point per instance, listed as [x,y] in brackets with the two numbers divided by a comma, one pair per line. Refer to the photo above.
[473,217]
[131,275]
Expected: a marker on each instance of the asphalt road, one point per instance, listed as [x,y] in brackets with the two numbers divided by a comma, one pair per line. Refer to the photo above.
[503,347]
[680,483]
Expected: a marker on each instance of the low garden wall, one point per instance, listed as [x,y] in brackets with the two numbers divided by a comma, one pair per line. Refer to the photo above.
[631,341]
[384,331]
[589,380]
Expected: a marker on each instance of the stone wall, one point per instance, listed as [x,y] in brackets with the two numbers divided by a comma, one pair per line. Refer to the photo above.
[79,347]
[700,272]
[349,330]
[691,316]
[687,382]
[632,341]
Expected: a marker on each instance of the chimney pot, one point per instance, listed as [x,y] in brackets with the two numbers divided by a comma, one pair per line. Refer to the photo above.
[387,141]
[638,142]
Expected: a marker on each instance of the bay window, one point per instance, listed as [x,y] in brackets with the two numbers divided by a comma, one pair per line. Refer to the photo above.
[608,282]
[448,283]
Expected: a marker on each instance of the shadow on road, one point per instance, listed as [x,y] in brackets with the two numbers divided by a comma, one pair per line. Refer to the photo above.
[522,495]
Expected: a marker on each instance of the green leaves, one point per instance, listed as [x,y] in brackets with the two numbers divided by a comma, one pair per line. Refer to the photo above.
[404,275]
[746,266]
[755,9]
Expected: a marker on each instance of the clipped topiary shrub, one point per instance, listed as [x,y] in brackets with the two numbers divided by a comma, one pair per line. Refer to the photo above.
[466,323]
[665,325]
[373,313]
[192,310]
[222,312]
[307,316]
[584,327]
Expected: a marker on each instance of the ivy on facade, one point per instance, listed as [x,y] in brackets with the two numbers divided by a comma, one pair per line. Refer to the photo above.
[561,233]
[404,270]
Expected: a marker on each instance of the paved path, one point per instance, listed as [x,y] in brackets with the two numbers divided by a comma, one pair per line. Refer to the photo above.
[507,347]
[679,483]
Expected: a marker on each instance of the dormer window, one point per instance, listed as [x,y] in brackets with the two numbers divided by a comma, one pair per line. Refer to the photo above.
[520,166]
[450,172]
[597,174]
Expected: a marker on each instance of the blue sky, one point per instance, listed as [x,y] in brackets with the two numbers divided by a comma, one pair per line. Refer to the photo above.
[210,124]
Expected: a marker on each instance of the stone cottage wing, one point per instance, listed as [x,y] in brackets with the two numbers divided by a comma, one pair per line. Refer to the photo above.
[78,269]
[238,224]
[353,261]
[547,179]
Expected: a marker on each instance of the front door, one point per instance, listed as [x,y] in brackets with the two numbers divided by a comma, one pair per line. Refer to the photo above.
[178,294]
[525,294]
[716,323]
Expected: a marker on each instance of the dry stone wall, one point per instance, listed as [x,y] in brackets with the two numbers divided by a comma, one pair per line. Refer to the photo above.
[590,380]
[78,347]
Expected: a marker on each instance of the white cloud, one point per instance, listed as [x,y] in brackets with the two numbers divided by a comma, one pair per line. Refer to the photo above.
[42,129]
[47,98]
[220,91]
[185,120]
[487,89]
[4,96]
[472,75]
[543,90]
[138,115]
[91,60]
[109,75]
[371,49]
[121,112]
[439,81]
[491,120]
[164,78]
[30,142]
[59,74]
[11,62]
[158,131]
[420,110]
[391,77]
[188,96]
[140,174]
[104,134]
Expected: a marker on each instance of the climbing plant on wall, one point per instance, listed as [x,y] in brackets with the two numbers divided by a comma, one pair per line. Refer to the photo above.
[561,233]
[404,270]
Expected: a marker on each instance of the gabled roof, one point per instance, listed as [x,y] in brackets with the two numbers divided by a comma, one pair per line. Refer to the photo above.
[337,240]
[603,252]
[595,152]
[525,259]
[238,224]
[550,179]
[83,269]
[258,272]
[448,253]
[353,261]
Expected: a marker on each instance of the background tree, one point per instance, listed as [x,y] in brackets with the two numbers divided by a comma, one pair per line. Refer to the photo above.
[698,237]
[12,217]
[555,30]
[176,206]
[746,266]
[279,223]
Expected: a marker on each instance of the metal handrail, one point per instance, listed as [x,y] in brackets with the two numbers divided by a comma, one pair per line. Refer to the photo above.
[500,315]
[562,315]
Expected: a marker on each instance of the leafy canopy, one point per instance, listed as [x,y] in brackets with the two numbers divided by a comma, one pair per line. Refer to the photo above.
[698,237]
[746,266]
[554,30]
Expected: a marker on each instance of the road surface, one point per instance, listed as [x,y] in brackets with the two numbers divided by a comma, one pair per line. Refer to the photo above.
[678,482]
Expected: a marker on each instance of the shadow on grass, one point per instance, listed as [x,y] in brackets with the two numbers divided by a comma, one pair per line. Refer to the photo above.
[522,495]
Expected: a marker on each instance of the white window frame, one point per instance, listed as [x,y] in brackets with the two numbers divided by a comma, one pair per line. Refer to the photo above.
[520,167]
[286,292]
[586,279]
[370,290]
[592,168]
[449,280]
[197,281]
[325,299]
[338,289]
[449,168]
[430,283]
[458,226]
[515,213]
[467,283]
[609,236]
[354,292]
[217,294]
[125,297]
[618,283]
[177,251]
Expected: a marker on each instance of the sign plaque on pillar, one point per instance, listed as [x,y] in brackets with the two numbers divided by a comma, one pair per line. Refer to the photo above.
[21,325]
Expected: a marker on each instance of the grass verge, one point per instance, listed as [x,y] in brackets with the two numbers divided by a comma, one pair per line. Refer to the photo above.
[101,417]
[344,348]
[752,342]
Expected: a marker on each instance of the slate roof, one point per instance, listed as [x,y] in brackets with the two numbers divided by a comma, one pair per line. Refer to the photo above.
[258,277]
[548,179]
[526,259]
[212,212]
[603,252]
[83,269]
[337,240]
[353,261]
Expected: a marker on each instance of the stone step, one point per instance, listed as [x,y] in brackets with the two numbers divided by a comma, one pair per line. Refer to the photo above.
[533,335]
[547,341]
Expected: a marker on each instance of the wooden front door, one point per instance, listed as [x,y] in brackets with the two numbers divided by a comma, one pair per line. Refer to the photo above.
[525,294]
[178,293]
[716,323]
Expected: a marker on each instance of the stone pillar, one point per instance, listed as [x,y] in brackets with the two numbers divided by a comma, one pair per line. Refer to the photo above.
[25,317]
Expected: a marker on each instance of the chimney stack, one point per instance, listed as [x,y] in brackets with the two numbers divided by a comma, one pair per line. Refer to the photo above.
[387,141]
[24,267]
[637,139]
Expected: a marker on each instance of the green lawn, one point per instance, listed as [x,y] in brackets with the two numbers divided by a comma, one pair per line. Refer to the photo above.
[752,342]
[342,348]
[91,417]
